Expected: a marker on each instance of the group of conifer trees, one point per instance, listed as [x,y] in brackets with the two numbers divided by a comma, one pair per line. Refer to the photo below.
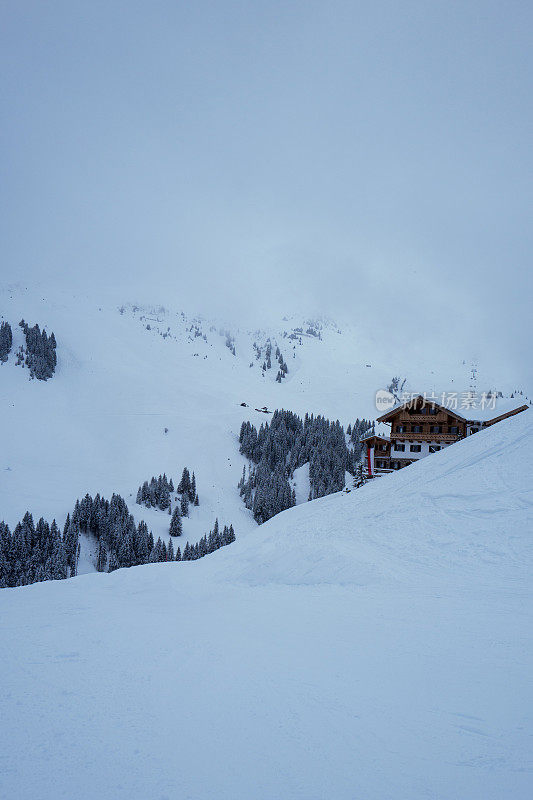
[355,431]
[267,362]
[230,341]
[278,448]
[283,368]
[288,442]
[158,492]
[121,543]
[208,544]
[41,357]
[33,553]
[191,552]
[6,340]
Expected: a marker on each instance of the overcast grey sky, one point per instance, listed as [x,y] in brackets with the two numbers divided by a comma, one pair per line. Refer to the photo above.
[304,153]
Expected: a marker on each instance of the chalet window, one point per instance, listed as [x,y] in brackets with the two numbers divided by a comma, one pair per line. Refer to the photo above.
[433,410]
[423,410]
[400,428]
[433,448]
[383,447]
[416,428]
[435,429]
[415,448]
[400,448]
[453,429]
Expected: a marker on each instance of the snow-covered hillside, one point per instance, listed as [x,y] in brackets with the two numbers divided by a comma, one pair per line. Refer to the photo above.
[375,644]
[142,391]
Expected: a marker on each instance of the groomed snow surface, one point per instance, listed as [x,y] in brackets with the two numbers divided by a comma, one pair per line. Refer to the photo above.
[373,645]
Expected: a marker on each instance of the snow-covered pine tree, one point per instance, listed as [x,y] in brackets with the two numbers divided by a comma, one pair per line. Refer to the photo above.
[101,561]
[185,482]
[176,528]
[113,562]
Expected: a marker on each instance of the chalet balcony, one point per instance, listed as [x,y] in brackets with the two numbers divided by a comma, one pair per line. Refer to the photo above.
[425,437]
[430,419]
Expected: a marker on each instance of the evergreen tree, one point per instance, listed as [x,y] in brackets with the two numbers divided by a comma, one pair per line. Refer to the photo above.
[102,557]
[184,485]
[176,528]
[71,545]
[359,478]
[113,562]
[143,543]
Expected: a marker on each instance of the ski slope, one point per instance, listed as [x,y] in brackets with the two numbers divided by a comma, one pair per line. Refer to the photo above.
[372,645]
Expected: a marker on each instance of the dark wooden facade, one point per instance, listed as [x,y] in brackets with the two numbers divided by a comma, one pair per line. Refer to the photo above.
[421,426]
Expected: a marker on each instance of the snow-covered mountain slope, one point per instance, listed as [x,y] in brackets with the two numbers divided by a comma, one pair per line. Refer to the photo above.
[127,374]
[373,645]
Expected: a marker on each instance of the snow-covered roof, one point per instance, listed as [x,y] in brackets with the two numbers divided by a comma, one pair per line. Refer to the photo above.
[479,407]
[380,430]
[492,409]
[428,400]
[371,435]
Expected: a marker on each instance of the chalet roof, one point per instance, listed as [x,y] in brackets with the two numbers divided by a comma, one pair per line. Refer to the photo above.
[367,436]
[379,432]
[487,411]
[398,407]
[501,408]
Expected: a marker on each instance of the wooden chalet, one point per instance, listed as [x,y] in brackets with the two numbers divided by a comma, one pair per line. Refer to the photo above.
[420,427]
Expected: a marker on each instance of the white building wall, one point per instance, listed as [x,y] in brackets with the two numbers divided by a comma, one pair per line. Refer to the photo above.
[398,454]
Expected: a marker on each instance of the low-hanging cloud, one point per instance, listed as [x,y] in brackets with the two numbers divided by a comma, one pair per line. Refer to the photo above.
[361,160]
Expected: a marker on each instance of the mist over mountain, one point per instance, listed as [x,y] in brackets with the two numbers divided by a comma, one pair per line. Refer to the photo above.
[364,162]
